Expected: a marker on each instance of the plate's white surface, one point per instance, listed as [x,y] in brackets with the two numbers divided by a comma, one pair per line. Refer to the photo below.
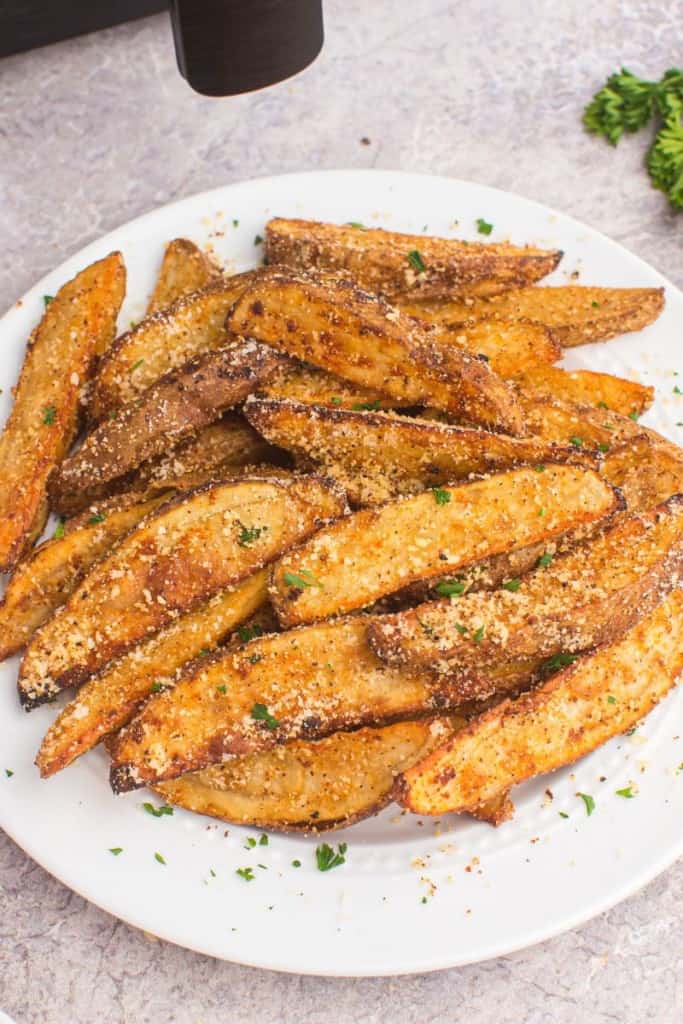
[487,892]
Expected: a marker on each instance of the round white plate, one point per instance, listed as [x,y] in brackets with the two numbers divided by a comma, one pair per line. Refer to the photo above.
[414,895]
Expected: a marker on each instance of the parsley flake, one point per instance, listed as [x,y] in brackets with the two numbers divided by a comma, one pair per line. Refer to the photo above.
[589,802]
[235,223]
[49,415]
[158,812]
[416,261]
[247,633]
[634,415]
[356,224]
[611,699]
[9,773]
[557,661]
[603,405]
[576,441]
[335,400]
[222,689]
[263,839]
[260,713]
[603,447]
[540,468]
[59,529]
[248,534]
[441,496]
[545,560]
[159,859]
[326,858]
[463,630]
[246,873]
[595,305]
[116,850]
[627,793]
[512,585]
[296,863]
[366,406]
[137,365]
[677,390]
[450,588]
[99,517]
[479,635]
[250,843]
[156,687]
[301,580]
[563,814]
[541,512]
[258,240]
[483,226]
[47,299]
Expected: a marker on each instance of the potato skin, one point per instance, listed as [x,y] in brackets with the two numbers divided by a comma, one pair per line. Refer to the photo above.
[185,268]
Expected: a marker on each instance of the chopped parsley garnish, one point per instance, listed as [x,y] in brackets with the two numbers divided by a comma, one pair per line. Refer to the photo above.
[235,223]
[450,588]
[545,560]
[246,873]
[222,689]
[156,688]
[512,585]
[423,900]
[677,390]
[463,630]
[260,713]
[47,299]
[483,226]
[479,635]
[416,261]
[589,802]
[627,793]
[203,651]
[49,415]
[296,863]
[603,447]
[541,512]
[99,517]
[603,405]
[576,441]
[116,850]
[563,814]
[246,633]
[263,839]
[559,660]
[540,468]
[250,843]
[9,773]
[248,534]
[335,400]
[633,416]
[301,580]
[59,529]
[366,406]
[326,858]
[255,658]
[136,365]
[611,699]
[159,859]
[158,812]
[441,496]
[258,240]
[595,305]
[356,224]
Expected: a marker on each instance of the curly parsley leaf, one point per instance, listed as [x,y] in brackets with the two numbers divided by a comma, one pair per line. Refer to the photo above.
[260,713]
[326,858]
[416,261]
[589,802]
[301,580]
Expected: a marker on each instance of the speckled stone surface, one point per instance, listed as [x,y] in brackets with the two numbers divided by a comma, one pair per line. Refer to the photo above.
[98,130]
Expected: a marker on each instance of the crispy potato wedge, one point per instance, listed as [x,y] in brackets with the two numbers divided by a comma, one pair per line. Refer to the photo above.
[331,323]
[163,342]
[415,266]
[77,326]
[645,471]
[601,695]
[109,699]
[309,786]
[614,394]
[377,551]
[47,577]
[509,346]
[193,546]
[589,596]
[304,684]
[575,313]
[303,383]
[377,457]
[173,409]
[185,268]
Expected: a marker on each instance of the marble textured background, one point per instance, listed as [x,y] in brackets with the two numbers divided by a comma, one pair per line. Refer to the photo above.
[98,130]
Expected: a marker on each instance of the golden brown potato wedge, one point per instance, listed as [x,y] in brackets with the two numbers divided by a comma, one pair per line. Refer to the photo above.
[600,696]
[109,699]
[331,323]
[509,346]
[163,342]
[374,552]
[603,390]
[415,266]
[304,684]
[377,457]
[589,596]
[77,326]
[46,578]
[304,383]
[173,409]
[645,471]
[193,546]
[575,313]
[185,268]
[309,786]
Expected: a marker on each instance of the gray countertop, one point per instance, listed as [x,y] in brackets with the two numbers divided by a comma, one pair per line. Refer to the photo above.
[98,130]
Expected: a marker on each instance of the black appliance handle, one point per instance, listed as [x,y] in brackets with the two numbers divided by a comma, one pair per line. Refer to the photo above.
[225,47]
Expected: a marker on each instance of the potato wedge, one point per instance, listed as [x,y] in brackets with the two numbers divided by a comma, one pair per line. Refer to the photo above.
[110,699]
[575,313]
[304,383]
[377,457]
[192,547]
[509,346]
[600,696]
[331,323]
[589,596]
[646,472]
[173,409]
[377,551]
[304,684]
[309,786]
[185,268]
[603,390]
[415,266]
[77,326]
[163,342]
[47,577]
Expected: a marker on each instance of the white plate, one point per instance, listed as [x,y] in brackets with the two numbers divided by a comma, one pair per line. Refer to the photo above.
[487,892]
